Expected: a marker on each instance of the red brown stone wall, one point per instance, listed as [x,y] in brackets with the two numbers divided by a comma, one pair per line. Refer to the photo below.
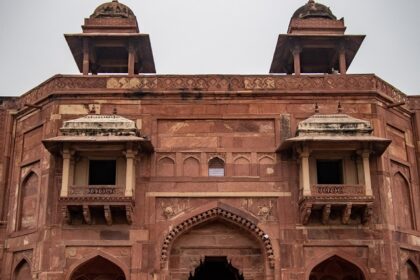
[173,186]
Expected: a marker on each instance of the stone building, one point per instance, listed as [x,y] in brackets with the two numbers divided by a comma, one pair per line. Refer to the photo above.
[121,173]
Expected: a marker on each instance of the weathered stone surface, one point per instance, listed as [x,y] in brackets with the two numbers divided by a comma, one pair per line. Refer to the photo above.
[163,216]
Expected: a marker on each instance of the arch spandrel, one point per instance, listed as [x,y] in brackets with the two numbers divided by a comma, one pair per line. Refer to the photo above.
[218,212]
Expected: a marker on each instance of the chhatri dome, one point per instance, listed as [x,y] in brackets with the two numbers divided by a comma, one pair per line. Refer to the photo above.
[313,10]
[113,9]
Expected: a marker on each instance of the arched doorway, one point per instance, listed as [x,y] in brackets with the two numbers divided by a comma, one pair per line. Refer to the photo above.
[216,249]
[216,268]
[336,268]
[98,268]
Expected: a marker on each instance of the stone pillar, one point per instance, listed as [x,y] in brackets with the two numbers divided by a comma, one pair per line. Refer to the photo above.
[86,59]
[305,177]
[342,60]
[366,172]
[296,60]
[66,172]
[130,175]
[131,58]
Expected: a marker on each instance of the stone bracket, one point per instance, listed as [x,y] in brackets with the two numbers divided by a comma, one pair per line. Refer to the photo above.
[326,214]
[86,214]
[108,215]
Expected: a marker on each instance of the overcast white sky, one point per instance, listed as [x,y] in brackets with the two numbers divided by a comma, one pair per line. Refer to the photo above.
[206,37]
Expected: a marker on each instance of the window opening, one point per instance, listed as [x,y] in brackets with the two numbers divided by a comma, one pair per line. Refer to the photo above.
[329,171]
[102,172]
[216,167]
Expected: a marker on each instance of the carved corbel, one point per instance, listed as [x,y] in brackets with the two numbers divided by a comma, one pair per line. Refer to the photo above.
[326,210]
[346,214]
[129,214]
[367,214]
[108,215]
[305,213]
[66,214]
[86,214]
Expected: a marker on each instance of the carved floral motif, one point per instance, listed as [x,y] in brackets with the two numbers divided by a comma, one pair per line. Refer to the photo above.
[214,83]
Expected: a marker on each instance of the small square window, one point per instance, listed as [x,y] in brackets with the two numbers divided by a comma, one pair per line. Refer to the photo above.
[329,171]
[102,172]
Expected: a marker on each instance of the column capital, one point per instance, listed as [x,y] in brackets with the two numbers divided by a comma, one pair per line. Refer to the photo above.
[130,153]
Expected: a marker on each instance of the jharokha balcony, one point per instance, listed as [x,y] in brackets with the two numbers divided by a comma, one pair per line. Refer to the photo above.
[99,159]
[97,204]
[334,153]
[343,200]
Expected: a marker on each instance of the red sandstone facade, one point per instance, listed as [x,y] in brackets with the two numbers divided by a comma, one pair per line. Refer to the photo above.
[312,174]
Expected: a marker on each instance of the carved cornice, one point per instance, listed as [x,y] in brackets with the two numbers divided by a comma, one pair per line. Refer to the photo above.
[211,83]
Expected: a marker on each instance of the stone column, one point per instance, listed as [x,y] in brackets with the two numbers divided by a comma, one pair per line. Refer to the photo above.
[66,172]
[366,172]
[131,58]
[305,177]
[130,175]
[342,60]
[296,60]
[86,59]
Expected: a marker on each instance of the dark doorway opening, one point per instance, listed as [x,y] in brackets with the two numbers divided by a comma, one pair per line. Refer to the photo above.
[216,268]
[102,172]
[329,171]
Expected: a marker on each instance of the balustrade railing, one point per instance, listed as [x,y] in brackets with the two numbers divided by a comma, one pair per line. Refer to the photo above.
[338,190]
[96,190]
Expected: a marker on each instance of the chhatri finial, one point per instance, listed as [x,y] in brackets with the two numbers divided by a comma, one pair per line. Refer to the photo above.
[316,108]
[311,2]
[116,1]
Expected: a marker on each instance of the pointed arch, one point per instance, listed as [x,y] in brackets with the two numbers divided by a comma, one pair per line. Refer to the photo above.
[216,167]
[411,270]
[265,166]
[191,167]
[223,212]
[22,270]
[242,166]
[166,167]
[340,257]
[108,260]
[401,200]
[28,201]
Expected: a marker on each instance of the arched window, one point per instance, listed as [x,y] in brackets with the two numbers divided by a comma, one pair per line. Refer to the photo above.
[166,167]
[216,167]
[98,268]
[28,202]
[336,268]
[191,167]
[242,167]
[22,271]
[401,200]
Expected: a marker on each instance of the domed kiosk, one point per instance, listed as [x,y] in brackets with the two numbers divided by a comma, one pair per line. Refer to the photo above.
[315,43]
[313,10]
[111,43]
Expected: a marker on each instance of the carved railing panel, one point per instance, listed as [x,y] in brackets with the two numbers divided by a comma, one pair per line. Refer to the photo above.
[338,190]
[97,190]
